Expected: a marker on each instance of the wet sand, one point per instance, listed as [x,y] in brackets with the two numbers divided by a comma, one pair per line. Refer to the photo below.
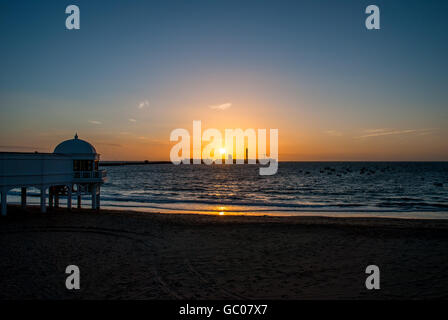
[131,255]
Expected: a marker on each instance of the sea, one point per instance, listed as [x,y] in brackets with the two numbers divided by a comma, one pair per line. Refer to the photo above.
[378,189]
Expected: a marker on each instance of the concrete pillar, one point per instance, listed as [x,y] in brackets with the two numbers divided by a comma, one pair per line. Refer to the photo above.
[56,197]
[94,196]
[4,202]
[23,198]
[79,196]
[50,197]
[98,198]
[69,197]
[43,199]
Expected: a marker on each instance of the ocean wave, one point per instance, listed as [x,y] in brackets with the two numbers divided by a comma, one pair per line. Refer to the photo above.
[253,205]
[404,187]
[272,209]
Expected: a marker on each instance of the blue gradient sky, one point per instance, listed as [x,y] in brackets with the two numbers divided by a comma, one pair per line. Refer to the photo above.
[335,90]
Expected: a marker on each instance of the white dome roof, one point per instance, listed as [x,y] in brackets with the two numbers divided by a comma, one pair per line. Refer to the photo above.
[75,146]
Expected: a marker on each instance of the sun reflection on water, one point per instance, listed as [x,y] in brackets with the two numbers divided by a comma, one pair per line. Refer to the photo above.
[221,210]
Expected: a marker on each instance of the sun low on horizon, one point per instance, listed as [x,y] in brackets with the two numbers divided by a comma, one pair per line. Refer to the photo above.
[220,158]
[347,103]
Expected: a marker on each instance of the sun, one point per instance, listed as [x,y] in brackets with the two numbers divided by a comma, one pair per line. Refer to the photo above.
[222,150]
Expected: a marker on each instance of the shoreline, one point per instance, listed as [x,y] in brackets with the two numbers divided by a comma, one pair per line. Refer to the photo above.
[412,215]
[339,214]
[217,219]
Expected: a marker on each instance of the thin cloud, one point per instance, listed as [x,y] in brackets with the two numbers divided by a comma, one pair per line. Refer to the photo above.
[20,147]
[424,133]
[96,122]
[109,144]
[223,106]
[333,133]
[375,130]
[149,141]
[143,104]
[387,132]
[132,120]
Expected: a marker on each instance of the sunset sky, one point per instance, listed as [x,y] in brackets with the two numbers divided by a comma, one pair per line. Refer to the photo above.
[136,70]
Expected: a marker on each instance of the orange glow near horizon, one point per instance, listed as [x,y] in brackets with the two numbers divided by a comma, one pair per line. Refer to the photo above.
[128,113]
[294,145]
[303,135]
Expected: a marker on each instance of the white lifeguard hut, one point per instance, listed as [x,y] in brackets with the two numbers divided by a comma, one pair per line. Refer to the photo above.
[71,169]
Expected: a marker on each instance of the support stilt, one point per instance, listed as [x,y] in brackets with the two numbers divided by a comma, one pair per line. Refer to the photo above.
[79,196]
[69,197]
[56,197]
[23,198]
[98,199]
[4,202]
[94,196]
[50,197]
[43,199]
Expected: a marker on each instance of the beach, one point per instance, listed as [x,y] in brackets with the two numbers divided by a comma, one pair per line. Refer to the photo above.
[134,255]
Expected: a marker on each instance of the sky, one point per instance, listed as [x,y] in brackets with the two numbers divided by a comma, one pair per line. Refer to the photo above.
[136,70]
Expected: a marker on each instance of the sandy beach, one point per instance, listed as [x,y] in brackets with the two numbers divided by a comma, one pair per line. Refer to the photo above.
[130,255]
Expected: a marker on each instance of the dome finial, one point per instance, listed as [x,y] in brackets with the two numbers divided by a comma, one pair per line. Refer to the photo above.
[76,135]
